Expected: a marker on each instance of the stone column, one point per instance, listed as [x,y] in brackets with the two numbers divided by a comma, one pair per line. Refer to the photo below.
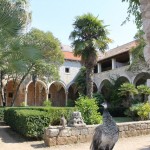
[145,10]
[47,91]
[26,95]
[66,93]
[113,63]
[99,66]
[131,58]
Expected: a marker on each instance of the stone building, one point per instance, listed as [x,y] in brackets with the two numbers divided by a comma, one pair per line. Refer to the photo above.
[113,63]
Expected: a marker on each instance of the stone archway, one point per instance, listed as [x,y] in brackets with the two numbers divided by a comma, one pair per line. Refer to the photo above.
[141,79]
[10,90]
[36,94]
[122,79]
[57,94]
[73,94]
[105,88]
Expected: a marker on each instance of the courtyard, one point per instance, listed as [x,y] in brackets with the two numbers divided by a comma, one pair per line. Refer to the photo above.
[10,140]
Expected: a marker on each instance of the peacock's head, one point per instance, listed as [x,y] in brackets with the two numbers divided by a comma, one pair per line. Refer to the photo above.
[104,105]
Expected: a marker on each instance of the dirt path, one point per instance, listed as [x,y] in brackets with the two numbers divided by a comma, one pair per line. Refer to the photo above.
[12,141]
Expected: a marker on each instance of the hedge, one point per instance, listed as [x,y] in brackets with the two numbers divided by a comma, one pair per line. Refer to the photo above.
[31,123]
[2,113]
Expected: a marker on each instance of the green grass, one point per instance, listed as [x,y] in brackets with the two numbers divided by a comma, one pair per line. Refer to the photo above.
[122,119]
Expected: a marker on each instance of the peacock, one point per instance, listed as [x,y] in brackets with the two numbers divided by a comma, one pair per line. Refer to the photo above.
[107,134]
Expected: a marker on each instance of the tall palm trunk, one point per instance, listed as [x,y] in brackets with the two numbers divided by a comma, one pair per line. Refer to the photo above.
[89,81]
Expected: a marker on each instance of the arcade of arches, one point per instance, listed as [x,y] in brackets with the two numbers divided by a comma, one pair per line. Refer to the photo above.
[59,94]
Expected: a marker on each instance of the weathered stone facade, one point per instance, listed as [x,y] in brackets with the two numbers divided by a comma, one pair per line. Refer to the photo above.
[145,10]
[71,135]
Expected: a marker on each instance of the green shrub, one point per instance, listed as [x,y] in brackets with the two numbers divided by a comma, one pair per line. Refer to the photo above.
[139,111]
[89,110]
[2,113]
[144,111]
[30,123]
[56,112]
[47,103]
[23,104]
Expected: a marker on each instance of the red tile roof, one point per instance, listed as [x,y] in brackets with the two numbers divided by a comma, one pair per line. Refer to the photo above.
[70,56]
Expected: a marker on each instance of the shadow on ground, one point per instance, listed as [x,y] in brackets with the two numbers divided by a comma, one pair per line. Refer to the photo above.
[9,136]
[145,148]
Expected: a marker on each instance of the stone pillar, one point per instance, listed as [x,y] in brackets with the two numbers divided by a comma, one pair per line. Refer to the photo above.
[148,84]
[145,10]
[131,58]
[26,95]
[66,93]
[113,63]
[99,66]
[47,92]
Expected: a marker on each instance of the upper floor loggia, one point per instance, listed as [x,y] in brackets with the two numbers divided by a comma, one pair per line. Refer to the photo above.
[115,58]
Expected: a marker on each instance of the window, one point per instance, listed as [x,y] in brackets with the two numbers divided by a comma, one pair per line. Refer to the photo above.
[10,95]
[67,70]
[49,96]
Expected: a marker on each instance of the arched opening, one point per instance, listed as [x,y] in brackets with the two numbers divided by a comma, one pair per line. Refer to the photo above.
[105,88]
[141,79]
[36,94]
[57,94]
[10,91]
[120,80]
[73,95]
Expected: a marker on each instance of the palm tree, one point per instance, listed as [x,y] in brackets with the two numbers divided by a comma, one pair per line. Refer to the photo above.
[88,36]
[14,17]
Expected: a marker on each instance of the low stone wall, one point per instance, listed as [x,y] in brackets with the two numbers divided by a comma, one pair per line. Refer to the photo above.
[71,135]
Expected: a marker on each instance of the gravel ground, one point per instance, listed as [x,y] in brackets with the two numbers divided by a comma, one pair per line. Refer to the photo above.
[12,141]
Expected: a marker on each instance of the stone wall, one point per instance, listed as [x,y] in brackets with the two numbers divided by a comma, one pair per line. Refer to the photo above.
[71,135]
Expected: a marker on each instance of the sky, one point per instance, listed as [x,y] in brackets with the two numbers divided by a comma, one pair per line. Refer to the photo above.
[58,16]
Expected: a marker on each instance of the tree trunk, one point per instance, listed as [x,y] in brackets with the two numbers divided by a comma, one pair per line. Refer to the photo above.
[145,10]
[3,97]
[89,81]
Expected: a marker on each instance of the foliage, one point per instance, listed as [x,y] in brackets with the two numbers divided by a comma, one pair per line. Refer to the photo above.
[134,9]
[99,98]
[38,53]
[138,60]
[127,89]
[47,103]
[89,110]
[28,123]
[88,36]
[2,113]
[144,111]
[23,104]
[139,111]
[80,80]
[13,17]
[112,87]
[143,89]
[31,121]
[70,103]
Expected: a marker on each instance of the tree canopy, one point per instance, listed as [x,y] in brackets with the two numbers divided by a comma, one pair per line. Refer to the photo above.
[134,9]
